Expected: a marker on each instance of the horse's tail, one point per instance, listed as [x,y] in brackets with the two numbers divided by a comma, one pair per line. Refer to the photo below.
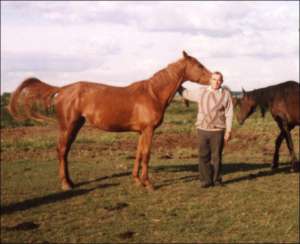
[32,90]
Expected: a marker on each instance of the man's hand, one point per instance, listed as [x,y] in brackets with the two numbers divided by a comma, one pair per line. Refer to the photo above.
[227,136]
[180,90]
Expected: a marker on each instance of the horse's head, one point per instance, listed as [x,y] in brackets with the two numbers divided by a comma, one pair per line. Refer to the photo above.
[195,71]
[246,106]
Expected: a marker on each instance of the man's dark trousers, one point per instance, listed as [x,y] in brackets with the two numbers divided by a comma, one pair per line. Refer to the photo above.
[211,145]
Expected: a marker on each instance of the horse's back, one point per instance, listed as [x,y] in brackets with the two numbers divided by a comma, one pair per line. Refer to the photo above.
[289,88]
[89,92]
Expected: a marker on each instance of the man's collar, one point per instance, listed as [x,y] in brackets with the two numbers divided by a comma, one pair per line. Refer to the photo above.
[213,90]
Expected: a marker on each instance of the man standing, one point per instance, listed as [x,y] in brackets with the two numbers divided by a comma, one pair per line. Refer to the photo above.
[214,122]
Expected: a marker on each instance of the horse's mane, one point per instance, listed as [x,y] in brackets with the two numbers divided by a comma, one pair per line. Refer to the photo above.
[163,77]
[164,74]
[262,97]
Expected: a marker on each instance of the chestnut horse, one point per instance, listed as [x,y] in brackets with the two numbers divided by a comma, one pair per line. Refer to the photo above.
[283,102]
[138,107]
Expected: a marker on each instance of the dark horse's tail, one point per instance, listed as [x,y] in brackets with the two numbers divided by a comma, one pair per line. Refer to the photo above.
[32,90]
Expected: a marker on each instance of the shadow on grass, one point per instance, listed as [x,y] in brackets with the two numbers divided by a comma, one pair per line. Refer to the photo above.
[35,202]
[117,175]
[227,168]
[51,198]
[285,169]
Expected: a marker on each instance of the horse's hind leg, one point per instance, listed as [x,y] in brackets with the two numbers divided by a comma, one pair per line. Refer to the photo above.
[67,136]
[290,145]
[277,147]
[285,129]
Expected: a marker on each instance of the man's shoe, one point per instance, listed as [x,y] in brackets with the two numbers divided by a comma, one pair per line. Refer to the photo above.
[206,185]
[219,183]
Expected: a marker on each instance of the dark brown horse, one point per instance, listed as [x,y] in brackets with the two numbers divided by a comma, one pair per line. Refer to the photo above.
[138,107]
[283,102]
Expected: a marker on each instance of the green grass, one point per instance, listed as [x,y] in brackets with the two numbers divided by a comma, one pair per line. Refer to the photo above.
[256,205]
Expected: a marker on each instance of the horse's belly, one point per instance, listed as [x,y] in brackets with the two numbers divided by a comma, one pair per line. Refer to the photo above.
[110,121]
[123,116]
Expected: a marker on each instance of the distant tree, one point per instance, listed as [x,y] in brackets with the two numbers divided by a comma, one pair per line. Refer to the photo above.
[6,119]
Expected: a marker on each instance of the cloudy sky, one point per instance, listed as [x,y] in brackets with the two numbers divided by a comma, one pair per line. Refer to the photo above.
[254,44]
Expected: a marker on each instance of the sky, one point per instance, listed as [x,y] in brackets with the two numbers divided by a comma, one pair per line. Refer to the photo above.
[254,44]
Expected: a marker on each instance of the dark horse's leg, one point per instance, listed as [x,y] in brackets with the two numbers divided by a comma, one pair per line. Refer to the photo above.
[290,145]
[67,136]
[277,147]
[285,129]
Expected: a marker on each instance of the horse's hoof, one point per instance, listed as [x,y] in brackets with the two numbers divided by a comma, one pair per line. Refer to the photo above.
[295,167]
[137,182]
[150,188]
[67,186]
[274,167]
[293,170]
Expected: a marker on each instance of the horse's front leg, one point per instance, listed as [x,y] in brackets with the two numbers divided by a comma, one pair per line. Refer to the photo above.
[290,145]
[136,167]
[66,138]
[63,148]
[146,142]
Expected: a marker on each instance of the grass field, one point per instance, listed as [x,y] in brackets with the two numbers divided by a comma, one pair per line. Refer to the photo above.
[255,205]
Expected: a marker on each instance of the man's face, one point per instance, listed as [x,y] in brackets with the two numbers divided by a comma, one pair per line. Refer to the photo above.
[216,81]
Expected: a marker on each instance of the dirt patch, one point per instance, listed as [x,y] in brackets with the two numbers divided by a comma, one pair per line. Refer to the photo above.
[170,141]
[165,141]
[20,132]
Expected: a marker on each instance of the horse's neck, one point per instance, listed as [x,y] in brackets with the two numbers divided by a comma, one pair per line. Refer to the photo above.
[261,97]
[164,84]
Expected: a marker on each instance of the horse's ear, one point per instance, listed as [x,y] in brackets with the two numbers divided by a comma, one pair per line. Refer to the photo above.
[243,91]
[185,54]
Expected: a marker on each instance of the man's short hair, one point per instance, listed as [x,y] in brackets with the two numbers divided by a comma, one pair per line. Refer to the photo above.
[219,73]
